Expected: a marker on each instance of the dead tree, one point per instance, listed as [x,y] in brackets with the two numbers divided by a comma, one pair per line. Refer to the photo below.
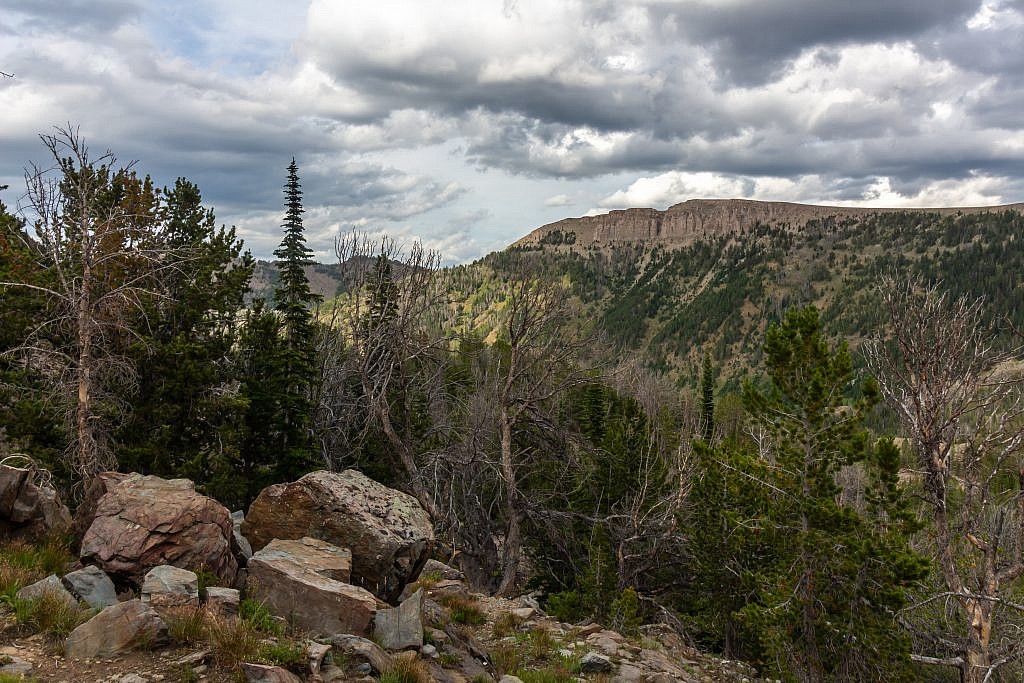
[103,262]
[961,402]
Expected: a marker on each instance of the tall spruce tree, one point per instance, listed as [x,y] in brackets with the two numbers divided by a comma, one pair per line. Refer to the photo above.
[293,301]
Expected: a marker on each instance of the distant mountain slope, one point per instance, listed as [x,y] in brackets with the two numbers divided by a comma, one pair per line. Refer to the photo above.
[697,219]
[669,298]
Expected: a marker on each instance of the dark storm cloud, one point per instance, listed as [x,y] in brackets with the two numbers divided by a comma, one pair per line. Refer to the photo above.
[753,40]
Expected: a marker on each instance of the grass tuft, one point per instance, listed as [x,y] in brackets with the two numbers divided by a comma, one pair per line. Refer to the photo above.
[463,610]
[506,624]
[406,670]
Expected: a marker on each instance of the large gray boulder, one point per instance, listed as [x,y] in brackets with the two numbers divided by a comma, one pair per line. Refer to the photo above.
[303,581]
[129,625]
[29,506]
[144,522]
[92,586]
[389,534]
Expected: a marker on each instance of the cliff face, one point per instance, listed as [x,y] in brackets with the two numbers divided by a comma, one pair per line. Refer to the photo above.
[695,219]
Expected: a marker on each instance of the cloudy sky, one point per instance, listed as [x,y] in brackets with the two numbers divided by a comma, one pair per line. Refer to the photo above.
[468,123]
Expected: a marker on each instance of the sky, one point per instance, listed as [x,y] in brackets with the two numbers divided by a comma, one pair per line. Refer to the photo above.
[467,123]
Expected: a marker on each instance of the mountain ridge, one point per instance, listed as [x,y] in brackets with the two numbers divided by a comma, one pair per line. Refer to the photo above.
[695,219]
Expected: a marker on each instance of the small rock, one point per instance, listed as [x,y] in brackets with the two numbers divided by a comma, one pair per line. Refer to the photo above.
[510,679]
[363,669]
[167,586]
[593,663]
[261,673]
[51,585]
[628,673]
[401,628]
[435,568]
[15,666]
[315,654]
[193,659]
[363,650]
[435,635]
[132,678]
[429,650]
[92,586]
[524,613]
[222,601]
[239,544]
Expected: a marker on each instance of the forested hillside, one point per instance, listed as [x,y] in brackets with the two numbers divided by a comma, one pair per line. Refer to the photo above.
[702,436]
[669,305]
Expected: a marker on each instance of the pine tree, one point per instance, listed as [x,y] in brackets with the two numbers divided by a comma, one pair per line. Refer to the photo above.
[828,597]
[707,400]
[293,301]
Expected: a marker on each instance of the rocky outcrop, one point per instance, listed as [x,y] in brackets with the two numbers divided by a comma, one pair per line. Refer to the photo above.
[92,586]
[685,223]
[125,626]
[303,582]
[143,522]
[29,506]
[389,534]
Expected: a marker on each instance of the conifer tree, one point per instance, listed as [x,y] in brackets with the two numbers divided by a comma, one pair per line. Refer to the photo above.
[293,301]
[707,399]
[828,597]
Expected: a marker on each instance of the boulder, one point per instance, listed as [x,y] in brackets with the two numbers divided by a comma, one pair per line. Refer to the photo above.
[443,571]
[593,663]
[167,586]
[92,586]
[222,601]
[129,625]
[389,534]
[51,585]
[29,506]
[261,673]
[316,653]
[15,666]
[304,582]
[361,650]
[401,628]
[144,522]
[239,545]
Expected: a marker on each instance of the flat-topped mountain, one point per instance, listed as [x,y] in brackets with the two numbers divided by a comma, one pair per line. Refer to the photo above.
[695,219]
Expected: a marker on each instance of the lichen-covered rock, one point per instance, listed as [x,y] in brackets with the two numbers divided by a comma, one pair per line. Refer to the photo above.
[144,522]
[29,507]
[303,581]
[389,534]
[129,625]
[91,585]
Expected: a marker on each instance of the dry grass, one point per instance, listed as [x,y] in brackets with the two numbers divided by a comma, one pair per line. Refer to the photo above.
[505,624]
[50,614]
[187,625]
[463,609]
[406,670]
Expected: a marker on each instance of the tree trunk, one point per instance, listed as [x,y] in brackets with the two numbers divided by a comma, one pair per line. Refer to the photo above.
[85,460]
[512,549]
